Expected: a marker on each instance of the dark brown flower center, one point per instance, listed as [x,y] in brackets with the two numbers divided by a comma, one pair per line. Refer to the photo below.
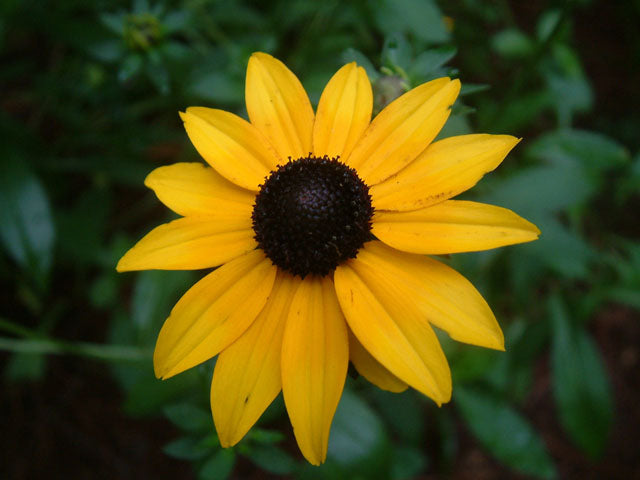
[312,214]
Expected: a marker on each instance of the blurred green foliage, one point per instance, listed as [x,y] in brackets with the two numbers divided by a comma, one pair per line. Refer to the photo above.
[90,98]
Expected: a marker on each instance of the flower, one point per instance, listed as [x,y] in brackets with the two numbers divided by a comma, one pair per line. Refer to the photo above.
[320,226]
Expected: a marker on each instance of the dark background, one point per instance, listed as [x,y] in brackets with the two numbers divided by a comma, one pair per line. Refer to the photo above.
[87,110]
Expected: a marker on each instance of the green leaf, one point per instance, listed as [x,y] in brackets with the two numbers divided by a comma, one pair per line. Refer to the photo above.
[81,228]
[457,124]
[140,6]
[420,18]
[107,51]
[570,94]
[218,467]
[272,459]
[446,429]
[580,383]
[567,83]
[187,448]
[154,294]
[189,417]
[504,433]
[593,151]
[471,88]
[264,436]
[407,462]
[526,341]
[147,395]
[559,248]
[512,43]
[217,87]
[512,373]
[131,66]
[471,363]
[404,413]
[396,52]
[103,292]
[538,190]
[27,231]
[353,55]
[432,60]
[356,433]
[548,23]
[628,296]
[175,52]
[517,114]
[631,183]
[176,21]
[628,265]
[114,22]
[158,75]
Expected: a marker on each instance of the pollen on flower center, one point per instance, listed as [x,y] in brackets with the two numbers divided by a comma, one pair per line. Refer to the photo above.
[312,214]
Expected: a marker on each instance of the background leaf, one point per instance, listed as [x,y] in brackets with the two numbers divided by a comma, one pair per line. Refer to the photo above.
[580,382]
[189,417]
[421,18]
[272,459]
[504,433]
[357,434]
[218,467]
[28,231]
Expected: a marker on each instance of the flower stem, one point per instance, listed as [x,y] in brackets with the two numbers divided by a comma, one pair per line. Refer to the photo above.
[34,344]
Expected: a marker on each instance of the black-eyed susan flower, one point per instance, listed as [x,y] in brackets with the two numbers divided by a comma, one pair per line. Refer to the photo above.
[320,226]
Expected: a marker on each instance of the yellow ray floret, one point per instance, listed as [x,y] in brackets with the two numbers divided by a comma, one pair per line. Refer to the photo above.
[315,355]
[453,226]
[344,112]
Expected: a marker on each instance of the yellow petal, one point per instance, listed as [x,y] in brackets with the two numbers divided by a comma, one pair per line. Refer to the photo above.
[193,189]
[403,129]
[315,357]
[445,169]
[231,145]
[344,112]
[213,313]
[452,226]
[371,369]
[191,243]
[383,315]
[247,375]
[279,106]
[443,296]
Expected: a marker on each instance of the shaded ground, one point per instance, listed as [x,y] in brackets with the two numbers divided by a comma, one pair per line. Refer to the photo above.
[617,332]
[71,424]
